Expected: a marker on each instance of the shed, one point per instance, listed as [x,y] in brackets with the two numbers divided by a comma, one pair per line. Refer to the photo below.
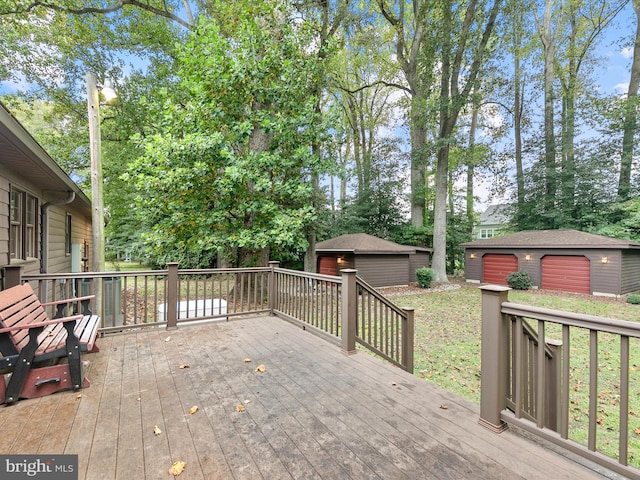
[566,260]
[379,262]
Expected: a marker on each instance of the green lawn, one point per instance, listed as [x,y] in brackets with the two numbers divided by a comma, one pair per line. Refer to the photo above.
[447,353]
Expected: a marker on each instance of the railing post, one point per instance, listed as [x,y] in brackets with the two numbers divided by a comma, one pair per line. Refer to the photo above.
[272,300]
[349,311]
[407,341]
[12,275]
[553,376]
[494,357]
[172,295]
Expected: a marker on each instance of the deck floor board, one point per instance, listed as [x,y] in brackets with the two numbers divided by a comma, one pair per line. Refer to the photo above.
[315,413]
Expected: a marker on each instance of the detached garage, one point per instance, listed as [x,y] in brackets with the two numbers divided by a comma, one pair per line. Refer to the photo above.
[565,260]
[379,262]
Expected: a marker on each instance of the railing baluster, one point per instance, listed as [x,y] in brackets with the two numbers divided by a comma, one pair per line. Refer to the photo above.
[563,428]
[540,384]
[623,443]
[593,388]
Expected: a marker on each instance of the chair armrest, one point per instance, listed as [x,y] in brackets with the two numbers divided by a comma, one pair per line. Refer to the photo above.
[68,300]
[41,324]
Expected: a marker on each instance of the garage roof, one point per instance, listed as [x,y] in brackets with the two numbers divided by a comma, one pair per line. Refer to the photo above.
[362,243]
[552,239]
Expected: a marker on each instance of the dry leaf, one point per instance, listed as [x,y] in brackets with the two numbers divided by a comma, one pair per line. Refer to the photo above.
[636,431]
[247,360]
[193,409]
[156,430]
[240,408]
[177,468]
[444,407]
[79,395]
[183,365]
[167,339]
[261,368]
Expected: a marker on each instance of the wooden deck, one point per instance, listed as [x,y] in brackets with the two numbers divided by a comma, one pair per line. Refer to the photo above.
[314,413]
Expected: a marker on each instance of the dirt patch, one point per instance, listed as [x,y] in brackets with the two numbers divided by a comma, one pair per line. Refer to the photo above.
[414,289]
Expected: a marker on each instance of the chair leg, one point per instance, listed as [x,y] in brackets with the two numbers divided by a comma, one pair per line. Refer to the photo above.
[22,367]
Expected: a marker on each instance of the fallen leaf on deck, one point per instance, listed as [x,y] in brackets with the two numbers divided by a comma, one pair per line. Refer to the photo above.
[240,408]
[261,368]
[247,360]
[193,409]
[156,430]
[183,365]
[444,407]
[177,468]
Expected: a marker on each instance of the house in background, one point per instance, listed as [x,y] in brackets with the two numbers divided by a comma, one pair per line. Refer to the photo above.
[379,262]
[492,221]
[45,219]
[565,260]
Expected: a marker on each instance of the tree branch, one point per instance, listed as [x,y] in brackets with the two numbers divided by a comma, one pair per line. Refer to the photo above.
[376,83]
[85,10]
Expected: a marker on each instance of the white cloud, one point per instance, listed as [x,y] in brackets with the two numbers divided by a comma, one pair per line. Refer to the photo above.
[621,88]
[627,52]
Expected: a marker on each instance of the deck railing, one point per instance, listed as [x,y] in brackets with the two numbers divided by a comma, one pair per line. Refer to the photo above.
[344,310]
[562,392]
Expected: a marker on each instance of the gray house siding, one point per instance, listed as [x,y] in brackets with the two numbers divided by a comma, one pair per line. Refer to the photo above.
[416,261]
[605,277]
[630,272]
[383,270]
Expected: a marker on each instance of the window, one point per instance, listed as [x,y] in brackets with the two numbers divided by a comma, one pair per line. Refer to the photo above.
[24,225]
[487,233]
[67,234]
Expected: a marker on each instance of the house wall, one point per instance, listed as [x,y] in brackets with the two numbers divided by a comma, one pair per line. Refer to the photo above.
[416,261]
[58,260]
[383,270]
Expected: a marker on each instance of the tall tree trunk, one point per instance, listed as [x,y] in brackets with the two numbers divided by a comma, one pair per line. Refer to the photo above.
[471,165]
[630,115]
[452,100]
[548,38]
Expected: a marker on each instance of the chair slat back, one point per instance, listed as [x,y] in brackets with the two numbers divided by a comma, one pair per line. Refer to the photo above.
[19,306]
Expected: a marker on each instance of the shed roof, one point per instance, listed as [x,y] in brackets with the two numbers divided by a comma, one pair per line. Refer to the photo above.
[552,239]
[364,243]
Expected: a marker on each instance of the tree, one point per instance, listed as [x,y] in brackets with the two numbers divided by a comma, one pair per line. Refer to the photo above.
[462,52]
[229,169]
[630,115]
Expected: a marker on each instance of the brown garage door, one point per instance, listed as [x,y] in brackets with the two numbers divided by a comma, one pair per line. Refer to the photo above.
[496,267]
[328,266]
[566,273]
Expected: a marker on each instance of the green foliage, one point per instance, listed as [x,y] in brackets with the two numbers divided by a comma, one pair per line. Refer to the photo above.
[633,298]
[519,280]
[229,169]
[424,276]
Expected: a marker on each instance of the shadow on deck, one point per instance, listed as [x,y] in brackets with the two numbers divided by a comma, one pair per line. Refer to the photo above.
[314,413]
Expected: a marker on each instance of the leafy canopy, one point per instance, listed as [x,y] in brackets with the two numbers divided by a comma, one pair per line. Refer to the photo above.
[230,165]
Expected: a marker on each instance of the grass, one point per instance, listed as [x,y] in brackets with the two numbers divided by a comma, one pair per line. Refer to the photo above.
[447,353]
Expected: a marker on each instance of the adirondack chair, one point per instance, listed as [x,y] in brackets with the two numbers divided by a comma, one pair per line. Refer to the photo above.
[33,346]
